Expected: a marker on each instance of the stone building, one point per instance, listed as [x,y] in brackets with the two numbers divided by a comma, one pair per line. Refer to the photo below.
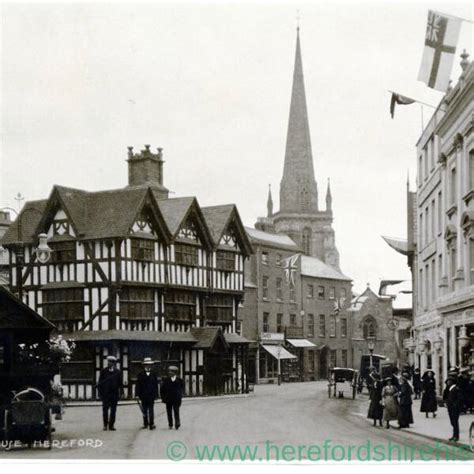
[300,215]
[443,330]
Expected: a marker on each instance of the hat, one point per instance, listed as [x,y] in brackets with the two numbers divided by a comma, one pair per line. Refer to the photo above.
[173,368]
[388,379]
[111,359]
[405,374]
[425,374]
[464,370]
[417,370]
[148,361]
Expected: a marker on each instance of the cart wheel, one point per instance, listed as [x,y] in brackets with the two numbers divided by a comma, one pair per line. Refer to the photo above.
[471,436]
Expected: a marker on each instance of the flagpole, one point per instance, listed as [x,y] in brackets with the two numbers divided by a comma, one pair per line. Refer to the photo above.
[415,100]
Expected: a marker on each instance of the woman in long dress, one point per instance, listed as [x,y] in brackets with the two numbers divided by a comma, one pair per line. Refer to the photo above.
[390,405]
[375,408]
[405,415]
[429,404]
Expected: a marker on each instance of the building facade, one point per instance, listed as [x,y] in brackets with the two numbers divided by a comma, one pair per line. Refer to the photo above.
[136,274]
[443,330]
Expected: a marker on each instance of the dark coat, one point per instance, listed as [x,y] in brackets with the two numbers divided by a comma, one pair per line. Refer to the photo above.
[110,385]
[147,386]
[428,397]
[417,386]
[405,416]
[375,408]
[453,399]
[172,392]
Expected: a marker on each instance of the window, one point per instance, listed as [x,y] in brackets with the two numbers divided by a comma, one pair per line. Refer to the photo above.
[225,261]
[322,325]
[333,358]
[292,319]
[420,169]
[280,322]
[186,254]
[279,259]
[266,327]
[344,357]
[310,291]
[471,170]
[180,306]
[440,211]
[219,308]
[306,241]
[143,250]
[343,293]
[136,303]
[453,260]
[292,292]
[321,292]
[427,224]
[369,328]
[279,289]
[433,279]
[433,217]
[421,233]
[310,325]
[332,326]
[63,304]
[332,293]
[63,252]
[421,288]
[471,259]
[343,327]
[265,258]
[453,186]
[310,360]
[265,287]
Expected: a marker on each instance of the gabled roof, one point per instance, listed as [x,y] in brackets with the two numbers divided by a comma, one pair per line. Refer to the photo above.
[219,218]
[313,267]
[207,337]
[15,314]
[275,240]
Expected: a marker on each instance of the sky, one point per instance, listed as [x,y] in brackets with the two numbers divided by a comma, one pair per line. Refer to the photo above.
[210,82]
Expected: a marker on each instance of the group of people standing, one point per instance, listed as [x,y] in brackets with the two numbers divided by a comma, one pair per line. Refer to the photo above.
[110,389]
[391,399]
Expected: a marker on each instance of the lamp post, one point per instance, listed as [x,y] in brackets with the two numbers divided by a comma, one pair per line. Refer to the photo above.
[43,251]
[371,347]
[279,364]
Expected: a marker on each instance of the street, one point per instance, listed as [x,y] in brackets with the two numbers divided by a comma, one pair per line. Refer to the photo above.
[286,422]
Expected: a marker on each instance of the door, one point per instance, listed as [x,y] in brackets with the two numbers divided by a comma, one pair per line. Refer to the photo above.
[323,363]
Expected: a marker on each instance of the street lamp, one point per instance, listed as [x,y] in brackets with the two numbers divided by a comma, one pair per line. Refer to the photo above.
[371,347]
[42,252]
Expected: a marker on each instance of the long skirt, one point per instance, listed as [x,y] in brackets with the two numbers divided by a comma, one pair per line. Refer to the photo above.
[405,417]
[429,404]
[390,410]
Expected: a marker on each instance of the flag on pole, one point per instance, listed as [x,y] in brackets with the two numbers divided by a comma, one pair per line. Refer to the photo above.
[290,265]
[441,39]
[399,99]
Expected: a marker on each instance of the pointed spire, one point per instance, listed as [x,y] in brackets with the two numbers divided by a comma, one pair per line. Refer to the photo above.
[298,192]
[269,202]
[329,197]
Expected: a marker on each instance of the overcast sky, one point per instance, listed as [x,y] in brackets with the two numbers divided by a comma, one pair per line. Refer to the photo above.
[211,84]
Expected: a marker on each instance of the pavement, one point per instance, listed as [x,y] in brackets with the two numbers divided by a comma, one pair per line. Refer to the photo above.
[292,422]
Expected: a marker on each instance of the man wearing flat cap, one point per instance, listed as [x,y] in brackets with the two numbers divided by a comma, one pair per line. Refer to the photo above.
[172,391]
[146,390]
[110,388]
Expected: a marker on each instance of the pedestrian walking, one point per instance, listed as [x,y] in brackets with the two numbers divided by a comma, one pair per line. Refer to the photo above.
[389,402]
[172,391]
[417,385]
[375,408]
[429,404]
[110,388]
[405,414]
[453,401]
[146,390]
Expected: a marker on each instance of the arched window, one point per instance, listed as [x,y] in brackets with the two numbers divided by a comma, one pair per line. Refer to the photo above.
[369,327]
[306,241]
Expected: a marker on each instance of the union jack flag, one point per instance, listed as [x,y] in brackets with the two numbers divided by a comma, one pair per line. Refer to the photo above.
[290,265]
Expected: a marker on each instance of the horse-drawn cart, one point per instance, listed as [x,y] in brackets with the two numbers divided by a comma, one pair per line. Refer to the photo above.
[345,376]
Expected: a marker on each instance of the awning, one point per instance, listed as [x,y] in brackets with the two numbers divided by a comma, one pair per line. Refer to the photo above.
[278,351]
[301,343]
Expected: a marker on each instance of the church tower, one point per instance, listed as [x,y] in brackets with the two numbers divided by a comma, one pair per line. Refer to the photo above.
[299,215]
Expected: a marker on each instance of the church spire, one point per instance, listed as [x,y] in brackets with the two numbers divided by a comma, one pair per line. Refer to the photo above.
[269,202]
[329,197]
[298,188]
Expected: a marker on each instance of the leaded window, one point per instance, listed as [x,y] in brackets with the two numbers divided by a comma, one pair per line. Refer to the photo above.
[136,303]
[186,254]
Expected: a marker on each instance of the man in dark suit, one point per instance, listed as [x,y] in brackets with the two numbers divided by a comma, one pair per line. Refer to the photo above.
[110,388]
[146,390]
[172,390]
[453,400]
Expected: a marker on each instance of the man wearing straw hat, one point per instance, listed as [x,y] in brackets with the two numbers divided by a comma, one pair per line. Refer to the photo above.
[146,390]
[110,387]
[172,390]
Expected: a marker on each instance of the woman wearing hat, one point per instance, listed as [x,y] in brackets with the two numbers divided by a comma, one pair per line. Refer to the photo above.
[429,404]
[375,408]
[389,402]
